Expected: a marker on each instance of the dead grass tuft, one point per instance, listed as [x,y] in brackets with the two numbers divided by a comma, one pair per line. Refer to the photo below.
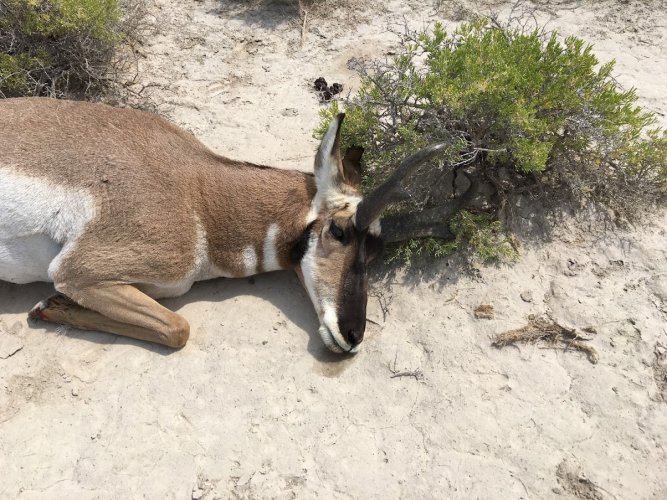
[83,49]
[544,329]
[484,311]
[574,481]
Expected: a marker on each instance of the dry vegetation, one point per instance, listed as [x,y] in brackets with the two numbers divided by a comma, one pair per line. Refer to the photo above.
[521,113]
[550,334]
[572,478]
[305,7]
[84,49]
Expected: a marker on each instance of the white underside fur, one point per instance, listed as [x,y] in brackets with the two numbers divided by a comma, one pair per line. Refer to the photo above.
[39,223]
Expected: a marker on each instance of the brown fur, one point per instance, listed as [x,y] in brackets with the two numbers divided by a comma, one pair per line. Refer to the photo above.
[334,258]
[153,185]
[166,179]
[168,182]
[143,318]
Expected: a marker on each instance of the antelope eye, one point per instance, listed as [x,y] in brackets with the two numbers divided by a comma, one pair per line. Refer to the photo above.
[336,232]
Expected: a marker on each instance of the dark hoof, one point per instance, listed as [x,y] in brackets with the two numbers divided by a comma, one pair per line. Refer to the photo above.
[41,310]
[36,313]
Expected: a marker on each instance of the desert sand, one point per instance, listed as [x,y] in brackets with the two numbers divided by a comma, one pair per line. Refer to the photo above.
[253,406]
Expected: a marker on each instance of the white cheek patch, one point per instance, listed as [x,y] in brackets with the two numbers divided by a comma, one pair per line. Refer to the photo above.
[326,309]
[271,262]
[249,260]
[309,270]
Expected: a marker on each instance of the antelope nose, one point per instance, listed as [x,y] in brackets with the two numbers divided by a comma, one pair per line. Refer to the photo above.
[354,336]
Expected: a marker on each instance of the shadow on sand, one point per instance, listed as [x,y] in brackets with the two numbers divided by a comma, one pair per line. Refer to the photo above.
[269,14]
[282,289]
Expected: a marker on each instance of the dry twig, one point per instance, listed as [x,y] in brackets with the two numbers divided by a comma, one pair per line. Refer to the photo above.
[546,330]
[417,373]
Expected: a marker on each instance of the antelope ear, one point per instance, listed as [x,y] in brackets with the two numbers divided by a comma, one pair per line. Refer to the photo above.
[328,162]
[352,166]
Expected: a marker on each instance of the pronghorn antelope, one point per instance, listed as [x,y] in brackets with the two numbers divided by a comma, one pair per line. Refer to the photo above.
[119,207]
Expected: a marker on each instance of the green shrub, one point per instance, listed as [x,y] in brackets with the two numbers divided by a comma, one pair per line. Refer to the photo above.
[60,48]
[520,112]
[486,237]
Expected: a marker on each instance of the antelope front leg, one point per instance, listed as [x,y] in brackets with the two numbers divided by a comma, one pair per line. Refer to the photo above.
[119,309]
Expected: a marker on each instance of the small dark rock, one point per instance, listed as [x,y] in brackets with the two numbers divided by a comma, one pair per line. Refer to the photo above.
[326,92]
[321,84]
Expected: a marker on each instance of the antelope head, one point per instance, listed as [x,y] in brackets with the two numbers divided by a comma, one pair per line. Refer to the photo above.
[345,237]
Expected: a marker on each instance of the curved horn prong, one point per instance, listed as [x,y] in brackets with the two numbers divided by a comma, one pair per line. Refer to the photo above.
[390,190]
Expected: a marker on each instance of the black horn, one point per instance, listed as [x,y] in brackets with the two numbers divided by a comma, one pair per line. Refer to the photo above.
[390,191]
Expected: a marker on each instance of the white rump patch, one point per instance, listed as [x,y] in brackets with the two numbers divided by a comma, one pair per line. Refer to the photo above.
[40,223]
[271,262]
[249,260]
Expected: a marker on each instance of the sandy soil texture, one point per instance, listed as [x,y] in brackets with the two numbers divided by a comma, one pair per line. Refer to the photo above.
[253,406]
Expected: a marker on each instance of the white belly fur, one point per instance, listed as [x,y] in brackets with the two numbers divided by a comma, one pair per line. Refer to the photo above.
[26,259]
[39,223]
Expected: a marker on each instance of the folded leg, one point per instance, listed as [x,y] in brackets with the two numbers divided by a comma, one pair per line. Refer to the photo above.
[119,309]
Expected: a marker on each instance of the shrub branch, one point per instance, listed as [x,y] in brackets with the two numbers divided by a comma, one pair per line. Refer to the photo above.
[521,110]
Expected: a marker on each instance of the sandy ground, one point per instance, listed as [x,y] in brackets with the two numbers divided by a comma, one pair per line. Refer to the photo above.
[253,407]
